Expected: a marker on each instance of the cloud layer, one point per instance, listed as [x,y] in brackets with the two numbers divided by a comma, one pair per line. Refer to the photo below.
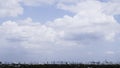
[92,33]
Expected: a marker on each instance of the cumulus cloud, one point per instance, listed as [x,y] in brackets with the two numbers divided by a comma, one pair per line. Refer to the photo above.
[96,25]
[27,30]
[91,25]
[109,7]
[10,8]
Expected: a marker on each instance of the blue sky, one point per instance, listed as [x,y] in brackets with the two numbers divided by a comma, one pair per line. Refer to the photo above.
[51,30]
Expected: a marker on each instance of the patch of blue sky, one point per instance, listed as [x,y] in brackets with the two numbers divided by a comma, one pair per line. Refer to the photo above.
[117,17]
[44,13]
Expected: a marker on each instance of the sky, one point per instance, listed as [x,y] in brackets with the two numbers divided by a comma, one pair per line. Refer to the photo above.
[59,30]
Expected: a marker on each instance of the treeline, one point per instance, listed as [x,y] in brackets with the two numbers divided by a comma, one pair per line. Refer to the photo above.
[66,65]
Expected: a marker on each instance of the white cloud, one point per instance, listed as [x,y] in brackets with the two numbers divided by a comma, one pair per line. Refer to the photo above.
[28,31]
[110,7]
[90,27]
[82,6]
[98,26]
[10,8]
[31,31]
